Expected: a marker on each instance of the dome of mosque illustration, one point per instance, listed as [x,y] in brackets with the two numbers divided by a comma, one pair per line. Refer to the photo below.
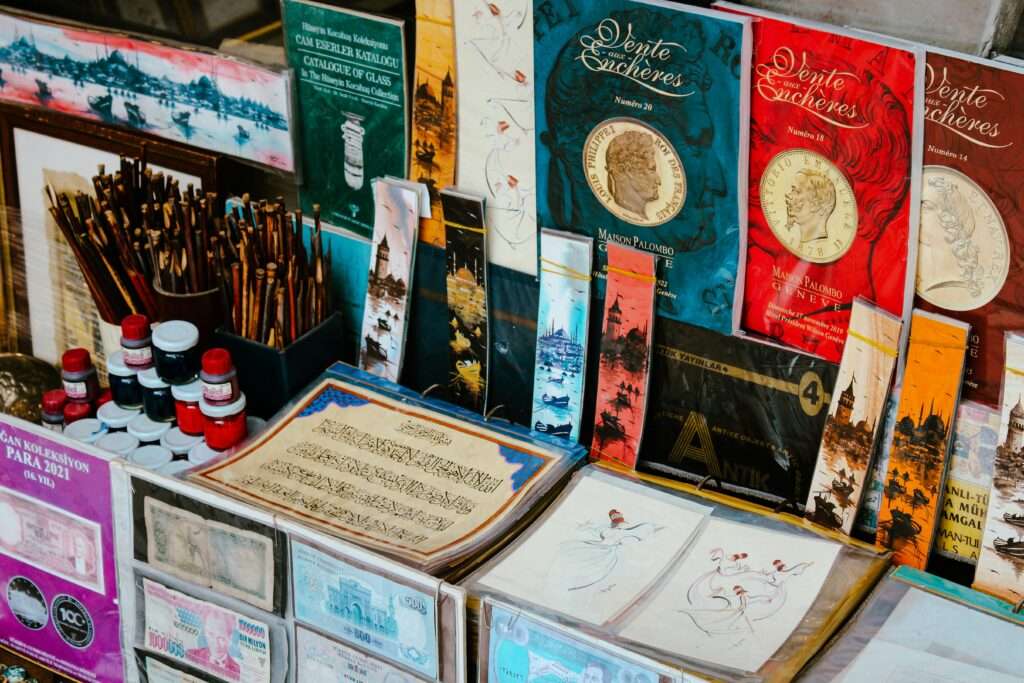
[1018,410]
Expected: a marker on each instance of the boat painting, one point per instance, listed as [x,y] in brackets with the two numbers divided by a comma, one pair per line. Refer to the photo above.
[147,86]
[920,445]
[625,356]
[563,316]
[1000,570]
[854,417]
[388,280]
[1013,548]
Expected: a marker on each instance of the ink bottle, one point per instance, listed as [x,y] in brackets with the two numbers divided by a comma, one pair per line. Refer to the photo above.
[150,457]
[88,430]
[224,426]
[119,443]
[124,382]
[136,342]
[75,411]
[186,407]
[201,454]
[175,351]
[179,443]
[157,400]
[52,410]
[174,468]
[220,380]
[79,376]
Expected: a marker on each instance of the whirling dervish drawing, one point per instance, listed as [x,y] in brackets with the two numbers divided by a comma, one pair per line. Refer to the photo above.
[590,560]
[731,597]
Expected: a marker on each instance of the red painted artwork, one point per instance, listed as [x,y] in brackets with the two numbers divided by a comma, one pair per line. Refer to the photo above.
[625,355]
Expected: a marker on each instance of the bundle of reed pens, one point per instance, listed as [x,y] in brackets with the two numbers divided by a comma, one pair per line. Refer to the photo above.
[138,229]
[277,288]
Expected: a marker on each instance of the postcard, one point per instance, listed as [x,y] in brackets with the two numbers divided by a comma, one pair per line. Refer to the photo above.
[736,596]
[322,660]
[602,545]
[624,374]
[970,645]
[494,54]
[363,458]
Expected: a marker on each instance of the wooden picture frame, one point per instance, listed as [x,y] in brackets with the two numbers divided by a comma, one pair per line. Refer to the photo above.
[19,238]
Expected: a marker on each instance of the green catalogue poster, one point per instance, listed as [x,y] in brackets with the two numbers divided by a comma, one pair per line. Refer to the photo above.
[350,69]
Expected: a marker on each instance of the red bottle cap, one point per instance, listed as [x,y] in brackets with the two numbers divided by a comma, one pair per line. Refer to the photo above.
[135,327]
[53,401]
[104,397]
[76,360]
[217,362]
[76,410]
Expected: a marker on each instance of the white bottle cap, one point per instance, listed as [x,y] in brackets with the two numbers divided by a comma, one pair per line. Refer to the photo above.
[201,454]
[116,417]
[149,379]
[189,393]
[175,467]
[119,443]
[150,457]
[175,336]
[254,425]
[117,366]
[146,430]
[88,430]
[223,411]
[178,442]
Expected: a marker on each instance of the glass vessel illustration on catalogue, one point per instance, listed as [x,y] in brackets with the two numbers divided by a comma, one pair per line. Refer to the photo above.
[352,132]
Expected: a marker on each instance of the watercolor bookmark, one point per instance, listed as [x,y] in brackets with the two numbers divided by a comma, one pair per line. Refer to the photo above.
[854,416]
[626,340]
[434,110]
[915,476]
[389,283]
[1002,541]
[563,319]
[466,280]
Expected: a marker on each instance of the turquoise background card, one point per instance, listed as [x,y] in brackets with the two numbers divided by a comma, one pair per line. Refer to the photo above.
[390,619]
[523,650]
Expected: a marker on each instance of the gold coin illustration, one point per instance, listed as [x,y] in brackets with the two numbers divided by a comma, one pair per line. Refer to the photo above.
[963,253]
[809,205]
[634,172]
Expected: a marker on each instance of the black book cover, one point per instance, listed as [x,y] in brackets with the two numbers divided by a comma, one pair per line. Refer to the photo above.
[748,414]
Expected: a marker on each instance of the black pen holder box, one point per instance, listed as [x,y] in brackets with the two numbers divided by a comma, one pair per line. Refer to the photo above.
[269,377]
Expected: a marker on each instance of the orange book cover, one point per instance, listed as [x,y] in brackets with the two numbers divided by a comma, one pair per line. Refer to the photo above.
[623,376]
[920,442]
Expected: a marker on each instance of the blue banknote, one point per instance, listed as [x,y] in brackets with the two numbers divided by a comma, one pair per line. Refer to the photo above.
[387,618]
[525,650]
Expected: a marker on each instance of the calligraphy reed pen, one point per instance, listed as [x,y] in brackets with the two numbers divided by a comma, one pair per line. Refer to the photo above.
[275,287]
[140,231]
[134,233]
